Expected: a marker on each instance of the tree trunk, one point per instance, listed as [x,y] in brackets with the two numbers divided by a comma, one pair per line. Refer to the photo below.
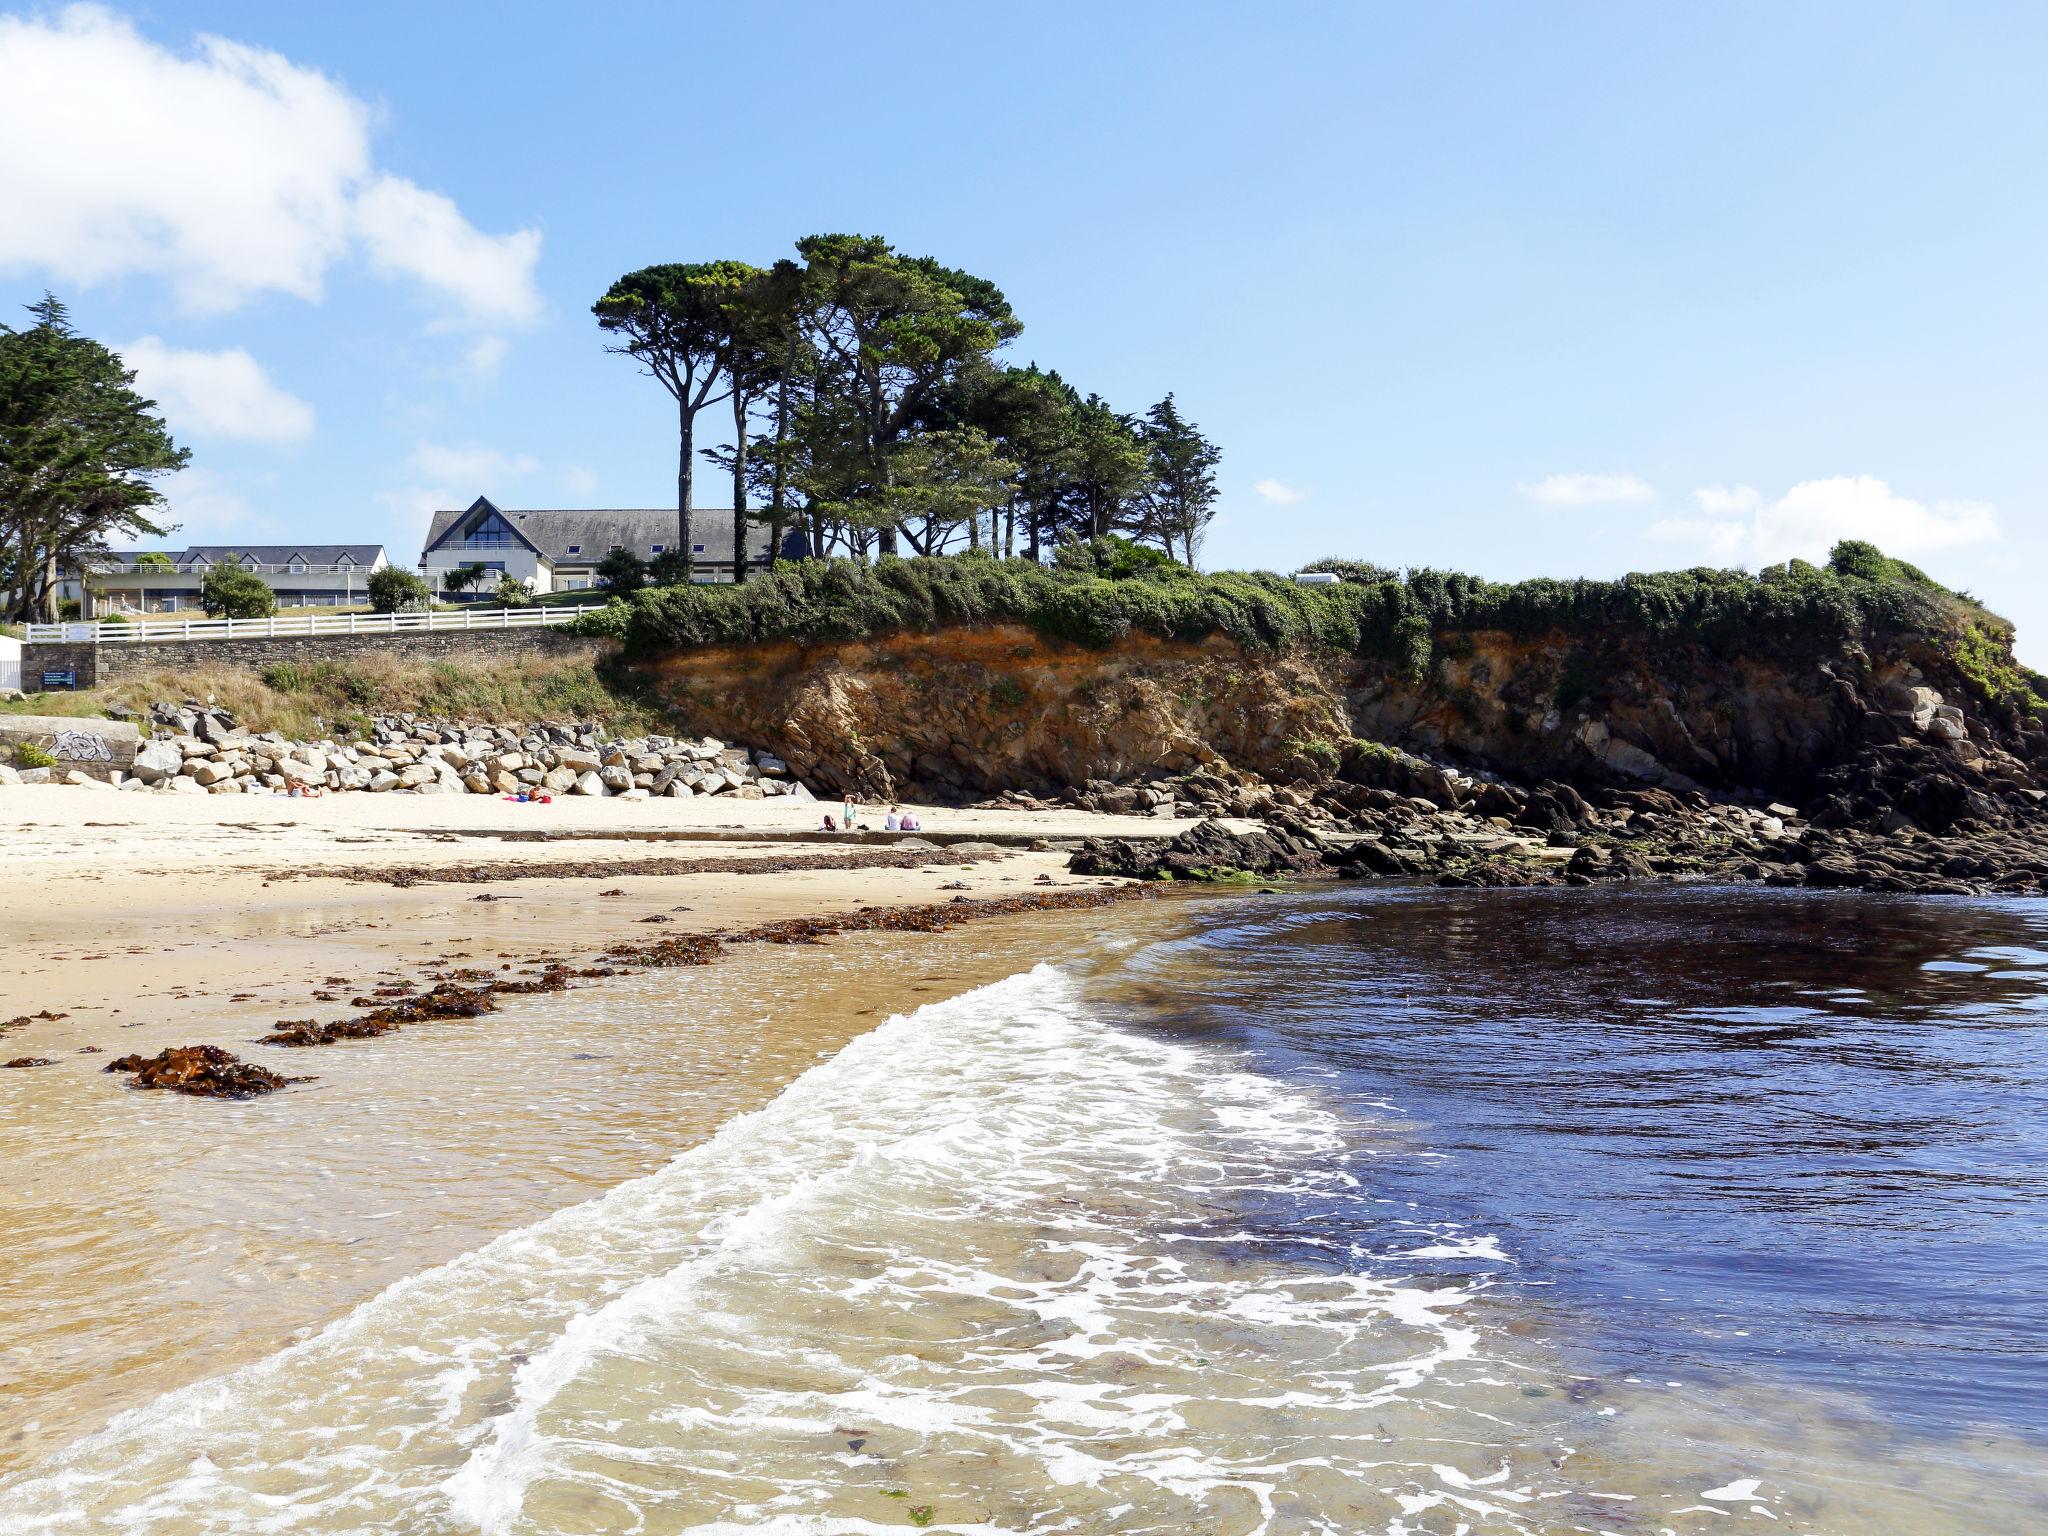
[685,465]
[739,484]
[779,490]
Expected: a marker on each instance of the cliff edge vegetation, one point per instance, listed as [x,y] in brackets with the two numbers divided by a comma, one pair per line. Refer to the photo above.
[974,675]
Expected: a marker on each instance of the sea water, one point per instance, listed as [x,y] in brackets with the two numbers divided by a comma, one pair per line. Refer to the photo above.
[1377,1211]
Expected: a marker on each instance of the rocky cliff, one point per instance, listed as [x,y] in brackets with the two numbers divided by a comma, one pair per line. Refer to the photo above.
[968,711]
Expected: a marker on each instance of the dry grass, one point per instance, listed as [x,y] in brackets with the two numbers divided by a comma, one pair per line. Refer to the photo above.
[337,698]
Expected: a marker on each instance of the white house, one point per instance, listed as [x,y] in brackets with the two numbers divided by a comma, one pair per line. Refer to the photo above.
[557,549]
[167,581]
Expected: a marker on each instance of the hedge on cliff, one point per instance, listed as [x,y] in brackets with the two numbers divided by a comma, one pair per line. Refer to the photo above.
[1397,616]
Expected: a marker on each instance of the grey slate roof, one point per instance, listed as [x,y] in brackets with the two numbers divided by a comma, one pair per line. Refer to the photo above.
[594,530]
[262,554]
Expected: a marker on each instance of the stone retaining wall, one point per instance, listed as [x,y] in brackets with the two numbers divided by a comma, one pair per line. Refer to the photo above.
[77,656]
[99,664]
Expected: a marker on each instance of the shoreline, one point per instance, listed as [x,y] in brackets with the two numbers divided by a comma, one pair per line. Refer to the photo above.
[154,1238]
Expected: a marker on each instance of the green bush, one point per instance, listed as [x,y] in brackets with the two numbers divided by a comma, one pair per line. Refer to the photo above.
[28,755]
[1400,619]
[393,589]
[284,676]
[622,572]
[1986,660]
[229,592]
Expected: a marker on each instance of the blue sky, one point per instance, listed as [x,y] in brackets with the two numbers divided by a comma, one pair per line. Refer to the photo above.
[1534,289]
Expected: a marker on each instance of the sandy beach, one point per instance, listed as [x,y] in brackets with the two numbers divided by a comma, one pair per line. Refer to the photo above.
[153,1239]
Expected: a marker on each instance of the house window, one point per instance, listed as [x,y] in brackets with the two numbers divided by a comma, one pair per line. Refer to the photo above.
[248,562]
[655,549]
[296,567]
[346,560]
[575,549]
[491,532]
[696,549]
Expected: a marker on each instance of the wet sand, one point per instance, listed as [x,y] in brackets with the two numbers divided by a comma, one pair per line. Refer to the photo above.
[152,1239]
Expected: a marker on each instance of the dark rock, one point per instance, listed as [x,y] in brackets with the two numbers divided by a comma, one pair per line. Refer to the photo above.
[1205,851]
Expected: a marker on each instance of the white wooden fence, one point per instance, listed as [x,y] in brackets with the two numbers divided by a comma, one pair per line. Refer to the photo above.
[10,663]
[134,631]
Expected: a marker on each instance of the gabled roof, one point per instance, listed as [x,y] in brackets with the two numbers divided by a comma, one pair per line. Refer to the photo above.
[262,554]
[444,524]
[552,532]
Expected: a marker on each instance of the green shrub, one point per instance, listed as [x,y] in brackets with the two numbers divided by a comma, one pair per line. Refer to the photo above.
[1986,660]
[28,755]
[1399,619]
[606,623]
[284,676]
[393,589]
[229,592]
[622,572]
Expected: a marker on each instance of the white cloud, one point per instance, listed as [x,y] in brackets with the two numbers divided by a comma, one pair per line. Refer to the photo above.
[420,234]
[228,172]
[1739,524]
[1727,501]
[580,482]
[440,475]
[1586,490]
[485,355]
[1278,492]
[217,394]
[472,464]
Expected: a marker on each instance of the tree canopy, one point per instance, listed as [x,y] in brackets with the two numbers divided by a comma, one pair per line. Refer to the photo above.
[871,410]
[79,453]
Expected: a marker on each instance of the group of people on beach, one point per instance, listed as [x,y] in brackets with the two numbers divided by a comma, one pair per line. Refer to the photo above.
[897,820]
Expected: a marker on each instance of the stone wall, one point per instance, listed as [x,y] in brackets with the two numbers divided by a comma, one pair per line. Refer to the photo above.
[67,656]
[101,664]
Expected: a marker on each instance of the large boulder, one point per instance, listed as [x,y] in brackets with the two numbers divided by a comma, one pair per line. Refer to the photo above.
[98,747]
[157,761]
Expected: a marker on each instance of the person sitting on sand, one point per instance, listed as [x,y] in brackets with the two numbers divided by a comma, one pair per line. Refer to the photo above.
[890,821]
[830,825]
[908,822]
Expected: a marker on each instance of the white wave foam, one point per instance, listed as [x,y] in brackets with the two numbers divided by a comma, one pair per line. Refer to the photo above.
[988,1251]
